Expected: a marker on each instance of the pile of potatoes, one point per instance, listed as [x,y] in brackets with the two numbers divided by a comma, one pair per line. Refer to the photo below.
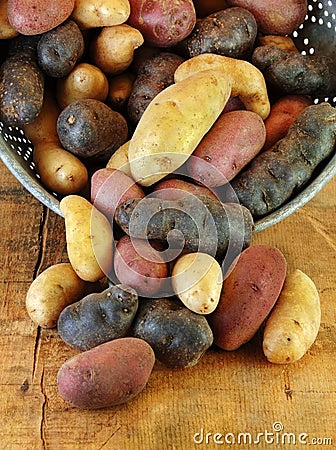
[166,130]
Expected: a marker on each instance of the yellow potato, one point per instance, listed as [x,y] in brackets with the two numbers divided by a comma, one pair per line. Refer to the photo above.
[113,49]
[6,29]
[174,123]
[55,288]
[84,81]
[60,171]
[247,81]
[293,325]
[197,280]
[89,238]
[100,13]
[119,160]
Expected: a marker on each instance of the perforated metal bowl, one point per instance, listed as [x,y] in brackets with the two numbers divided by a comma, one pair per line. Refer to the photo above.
[317,34]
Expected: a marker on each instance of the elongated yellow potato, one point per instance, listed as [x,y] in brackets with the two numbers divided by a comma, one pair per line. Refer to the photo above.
[197,280]
[174,123]
[247,82]
[89,238]
[293,325]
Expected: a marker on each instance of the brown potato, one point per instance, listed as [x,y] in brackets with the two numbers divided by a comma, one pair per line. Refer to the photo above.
[113,49]
[84,81]
[120,88]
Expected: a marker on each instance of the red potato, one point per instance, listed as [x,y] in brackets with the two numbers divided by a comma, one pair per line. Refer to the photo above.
[233,141]
[107,375]
[283,113]
[140,266]
[110,188]
[162,23]
[275,16]
[174,189]
[32,17]
[248,295]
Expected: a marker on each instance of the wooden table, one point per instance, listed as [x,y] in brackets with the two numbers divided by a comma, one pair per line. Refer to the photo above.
[226,393]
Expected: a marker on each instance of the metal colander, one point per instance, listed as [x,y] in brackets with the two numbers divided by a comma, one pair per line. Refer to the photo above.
[317,34]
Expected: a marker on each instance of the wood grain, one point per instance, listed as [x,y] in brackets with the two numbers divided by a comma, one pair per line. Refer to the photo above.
[227,392]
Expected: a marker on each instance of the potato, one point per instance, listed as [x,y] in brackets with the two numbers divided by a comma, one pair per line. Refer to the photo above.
[233,141]
[51,291]
[193,223]
[83,82]
[175,189]
[89,238]
[119,160]
[90,129]
[279,172]
[60,171]
[120,88]
[155,74]
[247,82]
[293,325]
[178,336]
[197,280]
[59,49]
[6,29]
[248,295]
[100,13]
[273,16]
[284,42]
[107,375]
[229,32]
[162,23]
[166,134]
[283,113]
[110,188]
[33,17]
[288,72]
[139,264]
[98,317]
[113,49]
[21,83]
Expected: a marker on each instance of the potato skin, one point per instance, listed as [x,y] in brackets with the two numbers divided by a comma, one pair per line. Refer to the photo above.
[229,32]
[162,23]
[197,280]
[175,189]
[100,13]
[98,317]
[283,113]
[59,49]
[51,291]
[248,295]
[110,188]
[274,16]
[206,225]
[139,265]
[84,81]
[107,375]
[277,173]
[154,75]
[293,73]
[21,83]
[33,17]
[233,141]
[90,129]
[178,336]
[155,151]
[293,324]
[89,238]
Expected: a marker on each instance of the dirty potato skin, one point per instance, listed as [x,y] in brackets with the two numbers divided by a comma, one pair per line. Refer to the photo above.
[230,32]
[21,83]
